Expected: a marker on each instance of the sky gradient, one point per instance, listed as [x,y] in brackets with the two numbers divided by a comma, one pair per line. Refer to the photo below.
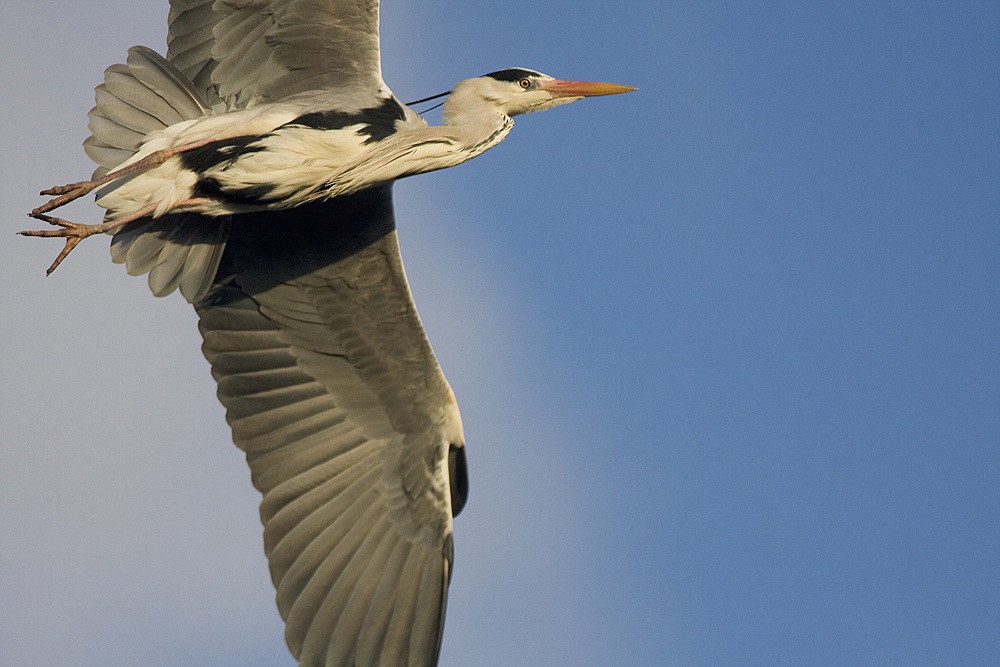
[726,350]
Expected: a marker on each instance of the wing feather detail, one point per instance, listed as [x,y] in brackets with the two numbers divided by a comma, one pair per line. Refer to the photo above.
[245,52]
[347,423]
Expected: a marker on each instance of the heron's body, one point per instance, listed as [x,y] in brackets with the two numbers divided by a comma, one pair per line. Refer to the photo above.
[284,156]
[252,170]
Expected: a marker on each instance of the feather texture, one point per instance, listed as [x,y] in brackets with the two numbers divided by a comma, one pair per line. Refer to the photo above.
[241,53]
[139,98]
[177,251]
[334,394]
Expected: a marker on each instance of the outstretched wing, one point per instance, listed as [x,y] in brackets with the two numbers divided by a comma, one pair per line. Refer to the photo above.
[245,52]
[350,429]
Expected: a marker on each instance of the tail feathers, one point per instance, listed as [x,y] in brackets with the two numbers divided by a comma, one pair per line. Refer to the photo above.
[144,95]
[179,251]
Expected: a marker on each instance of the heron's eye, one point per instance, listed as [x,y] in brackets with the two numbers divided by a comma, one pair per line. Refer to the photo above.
[524,83]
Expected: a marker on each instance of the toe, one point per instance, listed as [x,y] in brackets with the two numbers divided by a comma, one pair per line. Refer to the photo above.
[71,243]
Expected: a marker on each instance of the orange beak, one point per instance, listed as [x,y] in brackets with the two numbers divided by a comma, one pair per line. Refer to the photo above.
[558,88]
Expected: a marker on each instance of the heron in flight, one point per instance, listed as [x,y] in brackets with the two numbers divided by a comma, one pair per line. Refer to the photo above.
[252,170]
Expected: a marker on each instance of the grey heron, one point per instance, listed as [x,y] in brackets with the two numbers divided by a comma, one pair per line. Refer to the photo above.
[251,169]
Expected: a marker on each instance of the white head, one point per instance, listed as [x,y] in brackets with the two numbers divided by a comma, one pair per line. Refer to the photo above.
[516,91]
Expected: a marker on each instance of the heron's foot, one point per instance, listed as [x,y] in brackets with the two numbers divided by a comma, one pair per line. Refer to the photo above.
[73,233]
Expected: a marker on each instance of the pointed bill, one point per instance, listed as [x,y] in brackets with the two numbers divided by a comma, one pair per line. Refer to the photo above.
[558,88]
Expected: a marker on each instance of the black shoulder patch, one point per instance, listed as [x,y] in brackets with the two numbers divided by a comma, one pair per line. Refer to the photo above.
[513,74]
[252,194]
[212,155]
[378,122]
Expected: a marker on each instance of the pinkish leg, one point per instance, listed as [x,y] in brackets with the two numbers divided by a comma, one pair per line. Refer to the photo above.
[75,232]
[66,193]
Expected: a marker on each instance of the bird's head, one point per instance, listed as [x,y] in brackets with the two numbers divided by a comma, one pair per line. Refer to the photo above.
[516,91]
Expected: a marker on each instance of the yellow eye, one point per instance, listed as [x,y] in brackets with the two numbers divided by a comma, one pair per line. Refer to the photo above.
[524,83]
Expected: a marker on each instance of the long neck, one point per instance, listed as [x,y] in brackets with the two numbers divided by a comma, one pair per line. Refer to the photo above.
[478,116]
[418,149]
[480,127]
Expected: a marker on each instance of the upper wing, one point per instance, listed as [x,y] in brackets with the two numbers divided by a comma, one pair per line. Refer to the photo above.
[245,52]
[350,429]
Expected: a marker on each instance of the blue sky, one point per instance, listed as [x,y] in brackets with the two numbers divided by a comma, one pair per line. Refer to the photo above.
[726,350]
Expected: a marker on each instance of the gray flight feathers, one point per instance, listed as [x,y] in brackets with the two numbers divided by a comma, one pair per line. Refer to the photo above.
[191,25]
[138,98]
[351,589]
[316,353]
[241,53]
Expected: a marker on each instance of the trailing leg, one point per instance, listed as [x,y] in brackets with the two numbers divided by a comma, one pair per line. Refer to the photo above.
[66,193]
[75,232]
